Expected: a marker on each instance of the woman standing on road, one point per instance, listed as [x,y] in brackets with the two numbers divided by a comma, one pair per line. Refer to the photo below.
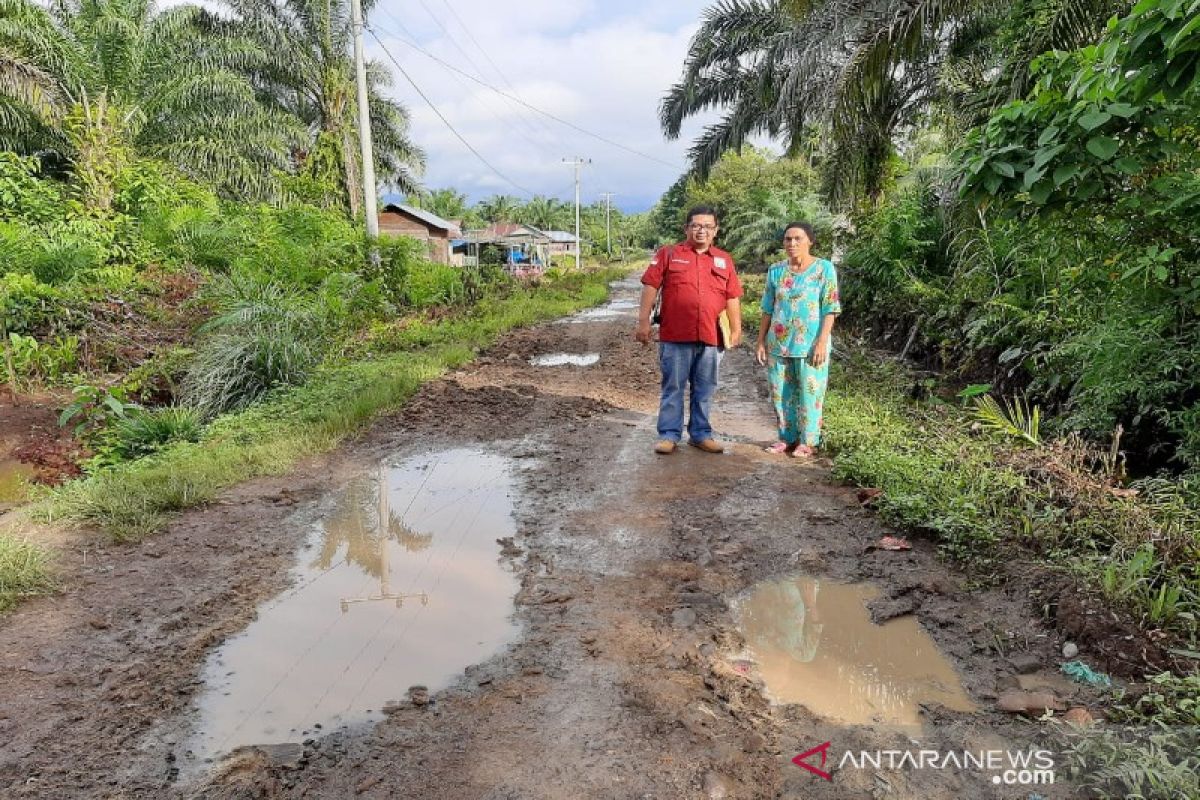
[795,337]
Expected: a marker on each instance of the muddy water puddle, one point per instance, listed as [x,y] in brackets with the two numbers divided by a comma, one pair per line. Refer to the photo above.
[565,360]
[395,588]
[14,481]
[814,644]
[623,303]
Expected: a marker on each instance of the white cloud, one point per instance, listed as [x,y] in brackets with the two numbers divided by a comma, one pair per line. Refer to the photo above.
[601,67]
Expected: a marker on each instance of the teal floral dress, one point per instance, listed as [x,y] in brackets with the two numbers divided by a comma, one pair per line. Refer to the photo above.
[796,303]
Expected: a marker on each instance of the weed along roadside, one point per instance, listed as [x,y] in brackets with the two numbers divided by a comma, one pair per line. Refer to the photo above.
[131,500]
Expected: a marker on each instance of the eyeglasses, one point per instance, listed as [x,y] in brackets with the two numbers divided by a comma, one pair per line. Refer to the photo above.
[696,226]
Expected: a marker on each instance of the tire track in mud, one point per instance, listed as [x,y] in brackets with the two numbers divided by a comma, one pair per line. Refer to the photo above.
[629,678]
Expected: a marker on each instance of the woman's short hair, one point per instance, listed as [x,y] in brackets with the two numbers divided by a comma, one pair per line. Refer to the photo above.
[804,226]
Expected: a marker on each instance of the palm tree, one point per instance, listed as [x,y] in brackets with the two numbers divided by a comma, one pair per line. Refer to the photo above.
[499,208]
[756,228]
[546,213]
[309,74]
[446,203]
[101,82]
[862,70]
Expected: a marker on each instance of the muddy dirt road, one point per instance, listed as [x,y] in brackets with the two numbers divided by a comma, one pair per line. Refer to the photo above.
[501,592]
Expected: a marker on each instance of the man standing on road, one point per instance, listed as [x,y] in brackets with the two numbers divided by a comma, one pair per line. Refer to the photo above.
[697,282]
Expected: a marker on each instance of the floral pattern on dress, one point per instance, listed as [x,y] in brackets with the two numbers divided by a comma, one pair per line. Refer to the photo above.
[797,302]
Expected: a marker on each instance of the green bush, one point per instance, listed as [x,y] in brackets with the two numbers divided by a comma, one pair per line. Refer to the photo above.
[397,256]
[27,304]
[42,361]
[143,431]
[428,284]
[233,369]
[66,257]
[197,235]
[23,196]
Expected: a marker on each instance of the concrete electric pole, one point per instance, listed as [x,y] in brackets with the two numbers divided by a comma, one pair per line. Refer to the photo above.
[364,124]
[608,196]
[578,163]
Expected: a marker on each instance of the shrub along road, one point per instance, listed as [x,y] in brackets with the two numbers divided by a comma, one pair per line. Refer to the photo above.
[630,676]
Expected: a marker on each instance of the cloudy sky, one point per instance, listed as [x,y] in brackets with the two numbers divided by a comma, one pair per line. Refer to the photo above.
[602,65]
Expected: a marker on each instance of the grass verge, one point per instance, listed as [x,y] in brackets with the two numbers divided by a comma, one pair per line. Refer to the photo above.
[24,570]
[132,500]
[979,494]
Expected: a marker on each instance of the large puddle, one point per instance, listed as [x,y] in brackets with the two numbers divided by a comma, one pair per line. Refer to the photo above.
[395,588]
[815,644]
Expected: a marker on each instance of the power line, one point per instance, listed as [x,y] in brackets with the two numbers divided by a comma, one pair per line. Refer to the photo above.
[500,118]
[541,123]
[442,117]
[531,107]
[467,56]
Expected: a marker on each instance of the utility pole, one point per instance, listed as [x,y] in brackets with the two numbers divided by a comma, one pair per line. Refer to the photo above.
[608,196]
[578,163]
[385,536]
[364,124]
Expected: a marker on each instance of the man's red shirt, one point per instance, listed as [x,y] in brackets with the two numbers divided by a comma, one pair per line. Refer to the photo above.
[695,288]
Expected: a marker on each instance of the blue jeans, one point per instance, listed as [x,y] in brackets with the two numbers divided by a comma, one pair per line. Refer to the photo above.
[681,364]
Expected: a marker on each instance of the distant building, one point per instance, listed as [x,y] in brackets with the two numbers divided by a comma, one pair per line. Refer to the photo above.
[561,242]
[398,219]
[522,249]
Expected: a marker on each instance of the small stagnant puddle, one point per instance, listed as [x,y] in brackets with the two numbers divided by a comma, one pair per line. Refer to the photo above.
[14,481]
[619,306]
[565,359]
[814,643]
[376,607]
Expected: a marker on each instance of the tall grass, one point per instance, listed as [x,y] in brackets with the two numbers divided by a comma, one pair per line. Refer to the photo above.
[977,494]
[24,570]
[132,500]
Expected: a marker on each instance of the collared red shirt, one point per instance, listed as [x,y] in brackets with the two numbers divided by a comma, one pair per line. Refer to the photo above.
[695,288]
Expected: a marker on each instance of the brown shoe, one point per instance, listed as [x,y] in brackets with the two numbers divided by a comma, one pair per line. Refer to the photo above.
[708,446]
[664,447]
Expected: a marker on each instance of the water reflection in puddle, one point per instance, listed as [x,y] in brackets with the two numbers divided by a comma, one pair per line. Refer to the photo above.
[815,645]
[565,359]
[375,608]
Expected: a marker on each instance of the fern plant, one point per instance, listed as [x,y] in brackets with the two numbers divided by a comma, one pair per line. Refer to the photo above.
[1016,418]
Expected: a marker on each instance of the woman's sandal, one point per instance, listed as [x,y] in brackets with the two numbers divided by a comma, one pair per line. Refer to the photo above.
[779,448]
[803,451]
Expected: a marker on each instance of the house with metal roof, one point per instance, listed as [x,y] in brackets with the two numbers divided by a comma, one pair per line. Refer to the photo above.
[561,242]
[522,249]
[398,219]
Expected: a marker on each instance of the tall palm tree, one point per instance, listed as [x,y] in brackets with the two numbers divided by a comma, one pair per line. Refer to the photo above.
[756,228]
[862,70]
[102,81]
[499,208]
[310,74]
[546,213]
[446,203]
